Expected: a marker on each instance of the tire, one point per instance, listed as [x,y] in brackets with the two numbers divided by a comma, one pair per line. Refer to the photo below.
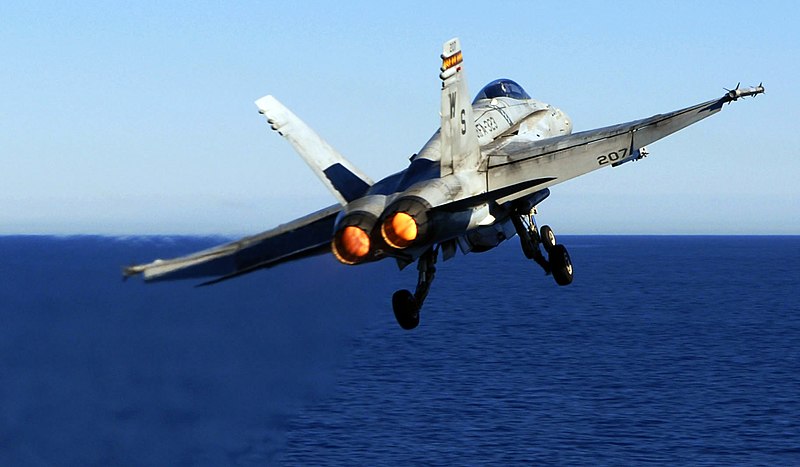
[561,265]
[406,309]
[548,238]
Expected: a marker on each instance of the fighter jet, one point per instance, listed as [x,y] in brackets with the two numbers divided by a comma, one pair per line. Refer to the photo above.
[474,184]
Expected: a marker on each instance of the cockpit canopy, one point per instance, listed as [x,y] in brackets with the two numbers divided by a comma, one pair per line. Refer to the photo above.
[502,88]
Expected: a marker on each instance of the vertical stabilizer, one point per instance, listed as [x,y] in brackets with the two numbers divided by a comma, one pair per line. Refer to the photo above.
[342,178]
[459,142]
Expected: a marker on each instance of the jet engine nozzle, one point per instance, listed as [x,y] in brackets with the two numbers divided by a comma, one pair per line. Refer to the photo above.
[354,234]
[405,223]
[351,244]
[399,230]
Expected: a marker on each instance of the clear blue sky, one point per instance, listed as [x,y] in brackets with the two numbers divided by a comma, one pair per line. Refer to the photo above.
[139,118]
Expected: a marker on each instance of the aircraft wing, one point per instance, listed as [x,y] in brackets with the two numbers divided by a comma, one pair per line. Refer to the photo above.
[307,236]
[513,162]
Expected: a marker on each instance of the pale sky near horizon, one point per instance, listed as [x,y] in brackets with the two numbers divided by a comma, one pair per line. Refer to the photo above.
[139,118]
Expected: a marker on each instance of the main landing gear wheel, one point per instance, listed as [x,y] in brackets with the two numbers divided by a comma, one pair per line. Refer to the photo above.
[406,309]
[533,241]
[406,305]
[560,265]
[548,238]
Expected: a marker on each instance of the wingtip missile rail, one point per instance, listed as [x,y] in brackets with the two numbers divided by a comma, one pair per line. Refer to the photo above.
[737,92]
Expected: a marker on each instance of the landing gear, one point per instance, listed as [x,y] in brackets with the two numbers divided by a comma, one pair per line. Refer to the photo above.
[560,265]
[548,238]
[558,262]
[406,305]
[406,309]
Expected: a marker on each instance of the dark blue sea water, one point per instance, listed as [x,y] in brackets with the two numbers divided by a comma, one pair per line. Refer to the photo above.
[665,350]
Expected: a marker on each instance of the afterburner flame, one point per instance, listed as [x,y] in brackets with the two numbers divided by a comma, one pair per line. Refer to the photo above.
[351,245]
[355,241]
[404,226]
[399,230]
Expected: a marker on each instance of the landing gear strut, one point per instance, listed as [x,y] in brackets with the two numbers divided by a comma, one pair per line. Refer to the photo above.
[558,263]
[406,305]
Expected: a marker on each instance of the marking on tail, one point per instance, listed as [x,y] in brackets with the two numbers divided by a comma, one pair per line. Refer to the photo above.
[460,150]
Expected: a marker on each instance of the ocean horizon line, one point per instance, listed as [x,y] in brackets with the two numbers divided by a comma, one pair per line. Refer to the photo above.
[221,236]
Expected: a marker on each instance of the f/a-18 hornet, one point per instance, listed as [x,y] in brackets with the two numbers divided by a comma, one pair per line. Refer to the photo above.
[475,183]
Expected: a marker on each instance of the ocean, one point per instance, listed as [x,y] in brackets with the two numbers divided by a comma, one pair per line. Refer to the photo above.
[665,350]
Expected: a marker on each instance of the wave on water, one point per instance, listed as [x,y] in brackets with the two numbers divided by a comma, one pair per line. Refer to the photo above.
[669,350]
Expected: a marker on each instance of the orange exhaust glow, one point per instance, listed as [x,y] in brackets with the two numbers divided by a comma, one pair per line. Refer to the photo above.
[355,241]
[399,230]
[351,245]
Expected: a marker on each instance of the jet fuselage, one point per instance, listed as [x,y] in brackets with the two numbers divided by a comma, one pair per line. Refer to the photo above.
[364,229]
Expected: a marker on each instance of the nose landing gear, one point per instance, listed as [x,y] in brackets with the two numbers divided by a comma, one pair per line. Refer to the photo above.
[533,240]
